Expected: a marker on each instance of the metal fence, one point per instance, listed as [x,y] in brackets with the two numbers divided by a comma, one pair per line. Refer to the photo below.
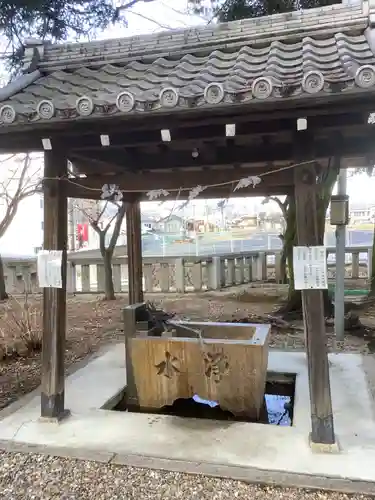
[218,243]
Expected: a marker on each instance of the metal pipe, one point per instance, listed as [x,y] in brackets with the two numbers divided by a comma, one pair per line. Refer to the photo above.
[340,266]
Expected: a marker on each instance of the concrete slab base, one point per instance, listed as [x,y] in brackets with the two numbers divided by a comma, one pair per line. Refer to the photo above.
[251,452]
[55,420]
[324,447]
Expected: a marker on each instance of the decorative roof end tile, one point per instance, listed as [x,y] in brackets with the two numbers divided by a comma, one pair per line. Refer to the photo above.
[7,114]
[125,102]
[45,110]
[365,76]
[214,93]
[262,87]
[313,82]
[84,106]
[168,97]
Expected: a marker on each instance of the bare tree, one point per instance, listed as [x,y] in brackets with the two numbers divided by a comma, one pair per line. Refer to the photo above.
[95,217]
[21,181]
[284,207]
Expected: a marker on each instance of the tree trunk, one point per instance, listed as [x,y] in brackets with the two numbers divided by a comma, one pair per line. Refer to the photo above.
[3,292]
[109,290]
[284,206]
[372,277]
[293,306]
[294,296]
[107,253]
[283,275]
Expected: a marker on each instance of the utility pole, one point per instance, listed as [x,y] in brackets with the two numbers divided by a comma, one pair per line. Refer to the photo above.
[340,265]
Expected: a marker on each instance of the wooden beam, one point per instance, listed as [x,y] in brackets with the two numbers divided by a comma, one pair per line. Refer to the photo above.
[356,146]
[27,137]
[140,130]
[322,429]
[147,181]
[180,136]
[74,191]
[54,299]
[21,142]
[174,159]
[134,247]
[188,134]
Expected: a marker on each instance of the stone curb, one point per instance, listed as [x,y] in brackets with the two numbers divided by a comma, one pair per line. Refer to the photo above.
[247,474]
[250,474]
[54,451]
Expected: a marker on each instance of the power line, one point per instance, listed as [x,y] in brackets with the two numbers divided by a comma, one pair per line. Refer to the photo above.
[164,26]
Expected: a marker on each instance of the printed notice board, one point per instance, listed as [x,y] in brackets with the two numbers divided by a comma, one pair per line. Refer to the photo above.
[310,268]
[49,269]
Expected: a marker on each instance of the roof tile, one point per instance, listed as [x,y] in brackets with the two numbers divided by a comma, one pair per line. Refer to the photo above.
[243,61]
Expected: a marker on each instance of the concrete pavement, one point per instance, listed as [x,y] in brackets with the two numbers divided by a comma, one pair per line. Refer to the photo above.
[231,449]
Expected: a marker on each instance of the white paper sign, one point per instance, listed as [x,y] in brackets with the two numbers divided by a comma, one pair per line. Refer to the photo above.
[49,268]
[310,268]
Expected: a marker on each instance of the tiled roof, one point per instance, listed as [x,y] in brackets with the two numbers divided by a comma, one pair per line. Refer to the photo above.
[327,50]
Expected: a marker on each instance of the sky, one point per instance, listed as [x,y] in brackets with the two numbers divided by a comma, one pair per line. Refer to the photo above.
[25,232]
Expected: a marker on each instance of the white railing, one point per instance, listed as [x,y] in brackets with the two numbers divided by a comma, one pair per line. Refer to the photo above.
[195,274]
[176,274]
[20,275]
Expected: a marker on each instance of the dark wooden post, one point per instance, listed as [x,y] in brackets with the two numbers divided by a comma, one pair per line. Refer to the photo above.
[130,331]
[134,246]
[313,313]
[54,299]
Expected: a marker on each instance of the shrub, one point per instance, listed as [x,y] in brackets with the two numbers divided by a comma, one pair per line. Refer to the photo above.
[21,328]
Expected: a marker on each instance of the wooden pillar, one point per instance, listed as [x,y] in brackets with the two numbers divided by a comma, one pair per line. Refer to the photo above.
[54,299]
[322,431]
[134,246]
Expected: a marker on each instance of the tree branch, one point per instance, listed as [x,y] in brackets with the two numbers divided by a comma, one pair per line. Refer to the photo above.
[94,223]
[282,205]
[116,230]
[130,4]
[149,19]
[25,187]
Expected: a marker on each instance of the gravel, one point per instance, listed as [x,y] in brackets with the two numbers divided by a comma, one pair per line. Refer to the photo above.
[37,477]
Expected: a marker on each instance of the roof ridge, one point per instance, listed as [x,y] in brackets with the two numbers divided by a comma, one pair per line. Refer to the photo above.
[334,66]
[321,21]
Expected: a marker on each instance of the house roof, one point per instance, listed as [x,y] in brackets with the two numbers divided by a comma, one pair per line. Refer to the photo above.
[303,54]
[360,206]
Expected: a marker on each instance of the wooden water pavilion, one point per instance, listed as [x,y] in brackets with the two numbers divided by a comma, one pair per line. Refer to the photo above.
[102,106]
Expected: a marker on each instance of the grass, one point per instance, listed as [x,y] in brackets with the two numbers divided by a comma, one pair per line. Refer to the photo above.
[366,226]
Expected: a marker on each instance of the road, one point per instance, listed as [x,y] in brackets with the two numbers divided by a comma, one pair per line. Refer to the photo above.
[259,241]
[209,245]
